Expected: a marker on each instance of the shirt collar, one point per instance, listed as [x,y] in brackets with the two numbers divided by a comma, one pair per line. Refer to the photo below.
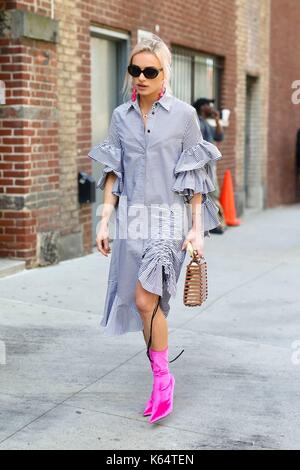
[165,101]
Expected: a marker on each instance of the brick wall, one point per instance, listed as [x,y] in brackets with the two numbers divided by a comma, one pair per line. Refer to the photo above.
[41,7]
[252,33]
[29,164]
[284,116]
[74,98]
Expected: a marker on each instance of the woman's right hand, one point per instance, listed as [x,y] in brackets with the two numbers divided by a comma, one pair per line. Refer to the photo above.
[102,240]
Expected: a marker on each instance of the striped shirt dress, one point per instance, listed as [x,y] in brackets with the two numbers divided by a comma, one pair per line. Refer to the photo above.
[159,168]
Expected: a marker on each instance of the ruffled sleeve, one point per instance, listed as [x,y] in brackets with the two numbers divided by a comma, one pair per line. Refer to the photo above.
[195,171]
[109,153]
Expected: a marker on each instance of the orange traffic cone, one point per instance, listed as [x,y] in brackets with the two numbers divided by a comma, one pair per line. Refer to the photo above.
[227,200]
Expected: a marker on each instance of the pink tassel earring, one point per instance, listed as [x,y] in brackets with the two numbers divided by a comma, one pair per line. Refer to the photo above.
[134,93]
[162,90]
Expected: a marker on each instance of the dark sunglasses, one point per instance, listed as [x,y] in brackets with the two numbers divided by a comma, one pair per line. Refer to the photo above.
[149,72]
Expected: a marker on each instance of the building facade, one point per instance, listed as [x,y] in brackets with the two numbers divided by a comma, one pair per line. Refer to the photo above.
[62,65]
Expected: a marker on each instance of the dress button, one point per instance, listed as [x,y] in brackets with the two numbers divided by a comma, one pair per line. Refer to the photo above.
[153,112]
[148,130]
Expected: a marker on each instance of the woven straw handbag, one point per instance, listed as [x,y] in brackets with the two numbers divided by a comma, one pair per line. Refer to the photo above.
[195,285]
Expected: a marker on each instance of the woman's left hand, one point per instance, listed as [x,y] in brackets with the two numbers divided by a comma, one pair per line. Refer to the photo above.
[196,239]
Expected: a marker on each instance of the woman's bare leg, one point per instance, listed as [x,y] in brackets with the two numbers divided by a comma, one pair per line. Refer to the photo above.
[146,302]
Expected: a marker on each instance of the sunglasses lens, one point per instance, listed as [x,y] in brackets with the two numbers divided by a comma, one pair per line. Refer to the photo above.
[134,70]
[150,72]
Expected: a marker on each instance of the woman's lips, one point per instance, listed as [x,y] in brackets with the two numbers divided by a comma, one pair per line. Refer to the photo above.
[142,86]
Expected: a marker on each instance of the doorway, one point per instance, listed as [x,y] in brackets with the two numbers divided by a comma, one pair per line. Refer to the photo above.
[253,157]
[109,52]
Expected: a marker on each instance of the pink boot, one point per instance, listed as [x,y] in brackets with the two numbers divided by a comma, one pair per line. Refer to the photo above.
[163,387]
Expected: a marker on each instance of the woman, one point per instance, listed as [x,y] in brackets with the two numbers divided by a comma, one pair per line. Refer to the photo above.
[154,177]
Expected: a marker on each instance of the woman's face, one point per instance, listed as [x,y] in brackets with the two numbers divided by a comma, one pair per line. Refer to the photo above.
[146,86]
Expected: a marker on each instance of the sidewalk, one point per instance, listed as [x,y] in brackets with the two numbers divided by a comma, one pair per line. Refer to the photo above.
[67,386]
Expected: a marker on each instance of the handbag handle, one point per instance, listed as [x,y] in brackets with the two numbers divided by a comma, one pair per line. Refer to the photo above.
[193,252]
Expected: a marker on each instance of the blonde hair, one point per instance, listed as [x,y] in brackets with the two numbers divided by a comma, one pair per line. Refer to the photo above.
[158,47]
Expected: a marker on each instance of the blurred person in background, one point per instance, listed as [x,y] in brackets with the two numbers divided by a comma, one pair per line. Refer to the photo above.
[205,111]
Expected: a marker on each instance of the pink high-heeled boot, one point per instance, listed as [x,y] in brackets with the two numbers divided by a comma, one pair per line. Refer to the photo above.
[163,387]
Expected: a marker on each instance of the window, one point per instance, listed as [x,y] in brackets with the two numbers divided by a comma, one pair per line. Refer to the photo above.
[195,75]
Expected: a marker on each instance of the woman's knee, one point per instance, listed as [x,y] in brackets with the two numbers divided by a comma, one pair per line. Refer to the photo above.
[145,302]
